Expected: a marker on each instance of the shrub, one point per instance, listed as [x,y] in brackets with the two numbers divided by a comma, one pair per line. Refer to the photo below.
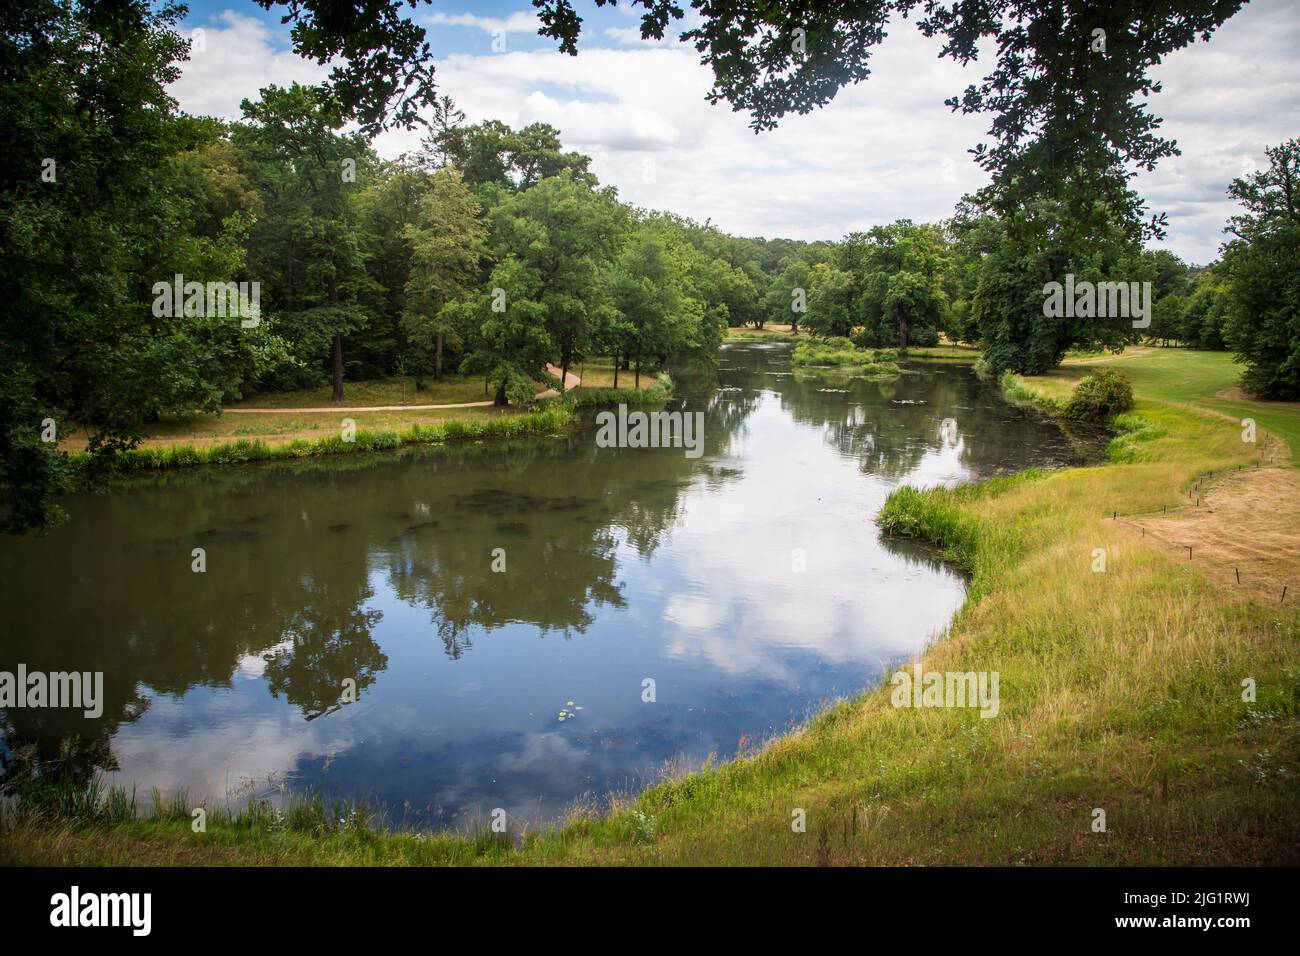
[1101,396]
[865,338]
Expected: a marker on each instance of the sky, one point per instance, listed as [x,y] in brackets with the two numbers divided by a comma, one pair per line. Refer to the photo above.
[885,149]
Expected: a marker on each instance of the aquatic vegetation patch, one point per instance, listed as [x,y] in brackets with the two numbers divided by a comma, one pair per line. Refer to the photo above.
[840,352]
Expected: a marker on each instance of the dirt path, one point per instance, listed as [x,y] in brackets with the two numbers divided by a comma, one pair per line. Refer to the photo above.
[571,382]
[1246,522]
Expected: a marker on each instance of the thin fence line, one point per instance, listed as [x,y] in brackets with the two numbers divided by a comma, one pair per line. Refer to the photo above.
[1192,490]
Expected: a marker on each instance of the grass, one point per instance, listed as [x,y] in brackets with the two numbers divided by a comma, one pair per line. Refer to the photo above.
[600,374]
[1120,691]
[652,391]
[1205,380]
[550,418]
[770,332]
[547,416]
[295,433]
[386,391]
[943,352]
[328,438]
[1015,390]
[288,830]
[283,427]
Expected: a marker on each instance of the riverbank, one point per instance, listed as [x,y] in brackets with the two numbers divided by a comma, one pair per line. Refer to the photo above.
[1120,691]
[309,433]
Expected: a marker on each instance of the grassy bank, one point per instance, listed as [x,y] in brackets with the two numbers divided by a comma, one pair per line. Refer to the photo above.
[1207,381]
[942,352]
[452,388]
[387,405]
[1119,691]
[548,417]
[552,418]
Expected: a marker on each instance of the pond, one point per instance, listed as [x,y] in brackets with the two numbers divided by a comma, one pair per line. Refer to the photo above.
[654,609]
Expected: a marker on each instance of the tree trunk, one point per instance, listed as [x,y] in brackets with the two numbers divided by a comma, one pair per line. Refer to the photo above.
[501,399]
[902,334]
[337,350]
[616,371]
[565,358]
[638,371]
[336,347]
[437,358]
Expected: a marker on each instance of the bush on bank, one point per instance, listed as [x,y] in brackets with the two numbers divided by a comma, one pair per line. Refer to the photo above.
[1101,396]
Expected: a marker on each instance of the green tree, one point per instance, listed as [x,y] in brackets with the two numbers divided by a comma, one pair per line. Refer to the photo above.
[561,235]
[1068,95]
[830,301]
[1207,309]
[509,344]
[787,295]
[308,244]
[1262,262]
[653,315]
[386,204]
[448,243]
[971,236]
[96,187]
[1045,246]
[381,68]
[1167,318]
[446,119]
[898,273]
[491,154]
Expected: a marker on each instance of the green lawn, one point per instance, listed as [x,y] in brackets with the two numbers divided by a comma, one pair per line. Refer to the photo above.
[1182,375]
[453,389]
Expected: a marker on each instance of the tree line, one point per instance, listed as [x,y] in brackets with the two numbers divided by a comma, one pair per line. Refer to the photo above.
[490,251]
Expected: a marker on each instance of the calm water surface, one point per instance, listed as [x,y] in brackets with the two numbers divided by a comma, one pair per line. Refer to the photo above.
[622,565]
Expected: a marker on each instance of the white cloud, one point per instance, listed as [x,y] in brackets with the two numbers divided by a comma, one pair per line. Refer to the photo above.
[632,35]
[885,149]
[524,21]
[239,58]
[739,605]
[1223,102]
